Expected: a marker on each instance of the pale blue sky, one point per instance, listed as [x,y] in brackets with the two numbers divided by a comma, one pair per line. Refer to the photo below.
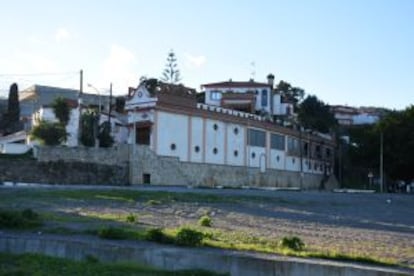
[355,52]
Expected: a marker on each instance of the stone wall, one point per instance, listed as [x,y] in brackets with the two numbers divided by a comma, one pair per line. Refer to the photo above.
[109,156]
[164,170]
[60,172]
[134,164]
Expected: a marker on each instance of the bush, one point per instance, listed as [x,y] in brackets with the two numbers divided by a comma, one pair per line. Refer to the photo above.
[131,218]
[205,221]
[113,233]
[15,219]
[188,237]
[153,202]
[293,243]
[156,235]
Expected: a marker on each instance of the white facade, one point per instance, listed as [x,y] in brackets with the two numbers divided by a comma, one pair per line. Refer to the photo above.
[263,93]
[47,114]
[202,138]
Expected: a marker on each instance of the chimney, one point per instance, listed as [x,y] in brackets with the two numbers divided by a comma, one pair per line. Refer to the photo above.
[131,91]
[271,80]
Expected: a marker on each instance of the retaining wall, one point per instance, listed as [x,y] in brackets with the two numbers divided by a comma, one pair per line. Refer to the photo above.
[63,172]
[178,258]
[165,170]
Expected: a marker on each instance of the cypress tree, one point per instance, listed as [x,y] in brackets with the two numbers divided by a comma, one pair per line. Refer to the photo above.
[13,108]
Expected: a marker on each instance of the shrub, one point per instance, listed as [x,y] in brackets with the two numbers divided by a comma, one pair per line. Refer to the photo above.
[15,219]
[152,202]
[131,218]
[29,214]
[188,237]
[113,233]
[155,235]
[293,243]
[205,221]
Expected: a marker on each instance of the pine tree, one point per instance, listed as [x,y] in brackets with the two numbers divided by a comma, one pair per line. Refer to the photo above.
[171,74]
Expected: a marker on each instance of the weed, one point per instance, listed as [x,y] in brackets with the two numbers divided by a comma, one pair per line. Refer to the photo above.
[113,233]
[157,235]
[153,202]
[15,219]
[294,243]
[205,221]
[131,218]
[91,259]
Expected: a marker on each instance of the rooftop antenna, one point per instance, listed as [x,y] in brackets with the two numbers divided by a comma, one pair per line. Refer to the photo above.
[253,70]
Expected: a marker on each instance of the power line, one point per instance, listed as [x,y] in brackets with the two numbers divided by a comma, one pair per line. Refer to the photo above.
[38,74]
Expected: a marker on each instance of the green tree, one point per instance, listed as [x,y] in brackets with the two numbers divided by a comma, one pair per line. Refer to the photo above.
[61,110]
[49,133]
[290,93]
[397,129]
[13,107]
[104,136]
[171,74]
[315,114]
[89,122]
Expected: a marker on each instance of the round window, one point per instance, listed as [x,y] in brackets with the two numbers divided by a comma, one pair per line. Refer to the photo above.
[173,146]
[215,150]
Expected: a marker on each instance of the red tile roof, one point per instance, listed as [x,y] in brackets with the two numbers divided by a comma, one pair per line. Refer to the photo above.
[236,84]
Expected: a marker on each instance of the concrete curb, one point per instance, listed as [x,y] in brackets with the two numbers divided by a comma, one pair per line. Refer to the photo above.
[178,258]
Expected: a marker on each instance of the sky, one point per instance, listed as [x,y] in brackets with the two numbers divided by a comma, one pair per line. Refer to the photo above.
[353,52]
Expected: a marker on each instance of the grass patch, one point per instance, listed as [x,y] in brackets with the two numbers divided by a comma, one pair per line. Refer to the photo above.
[40,265]
[19,219]
[205,221]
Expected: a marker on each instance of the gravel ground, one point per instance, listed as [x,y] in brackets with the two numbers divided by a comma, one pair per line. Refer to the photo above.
[379,225]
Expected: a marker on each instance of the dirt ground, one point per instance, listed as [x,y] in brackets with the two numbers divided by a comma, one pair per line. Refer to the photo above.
[379,225]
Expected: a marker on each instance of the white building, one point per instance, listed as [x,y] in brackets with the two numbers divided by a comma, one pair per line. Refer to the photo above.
[118,129]
[247,96]
[46,113]
[348,115]
[175,125]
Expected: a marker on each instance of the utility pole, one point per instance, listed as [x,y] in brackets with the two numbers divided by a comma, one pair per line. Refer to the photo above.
[110,105]
[382,162]
[80,106]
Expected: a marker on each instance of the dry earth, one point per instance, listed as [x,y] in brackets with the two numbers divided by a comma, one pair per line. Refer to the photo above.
[381,226]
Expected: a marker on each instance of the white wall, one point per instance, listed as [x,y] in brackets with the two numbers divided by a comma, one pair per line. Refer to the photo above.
[196,139]
[214,140]
[172,129]
[14,148]
[47,114]
[235,143]
[292,163]
[254,156]
[277,159]
[210,101]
